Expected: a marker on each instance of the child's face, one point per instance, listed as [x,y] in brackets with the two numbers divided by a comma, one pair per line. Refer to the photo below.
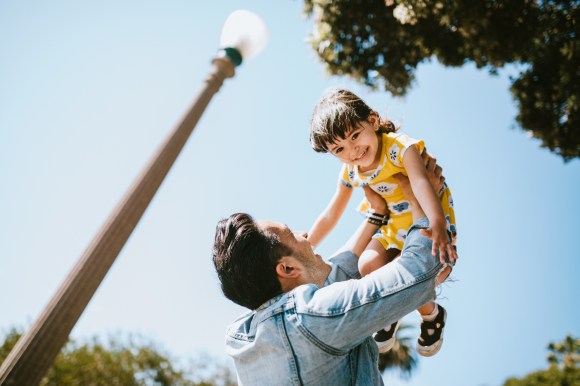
[361,146]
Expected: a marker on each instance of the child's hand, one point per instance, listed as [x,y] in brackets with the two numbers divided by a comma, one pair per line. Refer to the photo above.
[438,235]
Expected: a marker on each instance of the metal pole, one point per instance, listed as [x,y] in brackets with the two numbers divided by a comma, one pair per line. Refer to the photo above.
[35,351]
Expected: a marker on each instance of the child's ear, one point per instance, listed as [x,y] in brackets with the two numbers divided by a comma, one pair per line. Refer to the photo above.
[374,121]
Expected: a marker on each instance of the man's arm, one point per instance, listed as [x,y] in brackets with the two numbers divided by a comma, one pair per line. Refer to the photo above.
[361,307]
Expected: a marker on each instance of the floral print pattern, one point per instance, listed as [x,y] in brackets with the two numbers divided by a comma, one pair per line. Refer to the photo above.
[401,235]
[400,207]
[394,154]
[382,181]
[384,188]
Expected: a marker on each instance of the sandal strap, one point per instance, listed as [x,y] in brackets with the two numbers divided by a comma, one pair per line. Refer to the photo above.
[427,340]
[436,325]
[383,336]
[433,325]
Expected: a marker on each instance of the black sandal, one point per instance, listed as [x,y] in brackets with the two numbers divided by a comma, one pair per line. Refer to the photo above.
[385,340]
[430,344]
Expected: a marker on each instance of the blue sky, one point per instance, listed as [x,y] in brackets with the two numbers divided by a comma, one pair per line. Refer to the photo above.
[87,93]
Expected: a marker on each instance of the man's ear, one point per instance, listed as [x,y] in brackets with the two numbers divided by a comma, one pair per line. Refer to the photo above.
[288,268]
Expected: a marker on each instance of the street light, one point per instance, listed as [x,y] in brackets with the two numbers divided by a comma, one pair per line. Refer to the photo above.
[244,35]
[245,32]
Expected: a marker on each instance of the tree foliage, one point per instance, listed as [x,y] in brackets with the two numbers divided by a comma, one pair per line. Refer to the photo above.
[134,361]
[130,361]
[380,43]
[564,358]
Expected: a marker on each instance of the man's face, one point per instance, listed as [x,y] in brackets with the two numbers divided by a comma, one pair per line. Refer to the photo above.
[315,267]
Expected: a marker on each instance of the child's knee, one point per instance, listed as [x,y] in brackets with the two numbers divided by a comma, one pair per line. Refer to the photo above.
[373,258]
[368,264]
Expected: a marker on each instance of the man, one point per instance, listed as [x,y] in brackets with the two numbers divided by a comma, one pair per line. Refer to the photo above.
[311,321]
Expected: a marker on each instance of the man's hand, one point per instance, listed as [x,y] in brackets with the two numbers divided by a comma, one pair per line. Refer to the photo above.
[434,172]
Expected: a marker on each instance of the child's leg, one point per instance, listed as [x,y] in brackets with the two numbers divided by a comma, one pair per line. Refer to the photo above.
[433,322]
[433,315]
[375,256]
[427,308]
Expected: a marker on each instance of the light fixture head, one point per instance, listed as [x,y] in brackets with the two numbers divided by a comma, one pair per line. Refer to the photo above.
[244,35]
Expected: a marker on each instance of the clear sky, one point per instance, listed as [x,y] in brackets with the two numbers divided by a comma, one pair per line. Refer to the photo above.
[87,92]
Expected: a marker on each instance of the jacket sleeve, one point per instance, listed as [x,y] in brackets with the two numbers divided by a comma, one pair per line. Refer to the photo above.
[343,314]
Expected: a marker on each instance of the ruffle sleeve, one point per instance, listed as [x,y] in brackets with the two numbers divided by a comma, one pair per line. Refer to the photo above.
[398,145]
[345,176]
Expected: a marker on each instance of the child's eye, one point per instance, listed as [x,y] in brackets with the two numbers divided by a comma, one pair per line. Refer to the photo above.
[355,136]
[338,150]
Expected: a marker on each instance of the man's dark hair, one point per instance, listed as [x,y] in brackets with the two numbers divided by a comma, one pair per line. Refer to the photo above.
[245,259]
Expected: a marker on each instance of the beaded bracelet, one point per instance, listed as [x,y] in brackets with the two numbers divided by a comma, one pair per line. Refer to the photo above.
[377,219]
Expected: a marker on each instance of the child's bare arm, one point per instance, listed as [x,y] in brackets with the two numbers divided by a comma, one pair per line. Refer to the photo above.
[327,220]
[430,203]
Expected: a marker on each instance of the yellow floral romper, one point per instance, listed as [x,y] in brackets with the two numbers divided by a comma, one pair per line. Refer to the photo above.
[381,180]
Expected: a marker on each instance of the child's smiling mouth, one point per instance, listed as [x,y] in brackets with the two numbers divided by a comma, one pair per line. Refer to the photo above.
[361,155]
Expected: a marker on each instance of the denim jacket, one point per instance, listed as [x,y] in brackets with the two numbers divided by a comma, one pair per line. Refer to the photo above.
[322,336]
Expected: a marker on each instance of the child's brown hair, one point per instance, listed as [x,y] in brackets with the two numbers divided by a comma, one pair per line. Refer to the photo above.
[337,112]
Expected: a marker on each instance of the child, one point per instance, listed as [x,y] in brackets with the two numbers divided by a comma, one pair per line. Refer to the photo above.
[373,154]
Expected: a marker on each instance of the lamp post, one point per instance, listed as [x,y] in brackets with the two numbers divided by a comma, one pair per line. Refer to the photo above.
[243,36]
